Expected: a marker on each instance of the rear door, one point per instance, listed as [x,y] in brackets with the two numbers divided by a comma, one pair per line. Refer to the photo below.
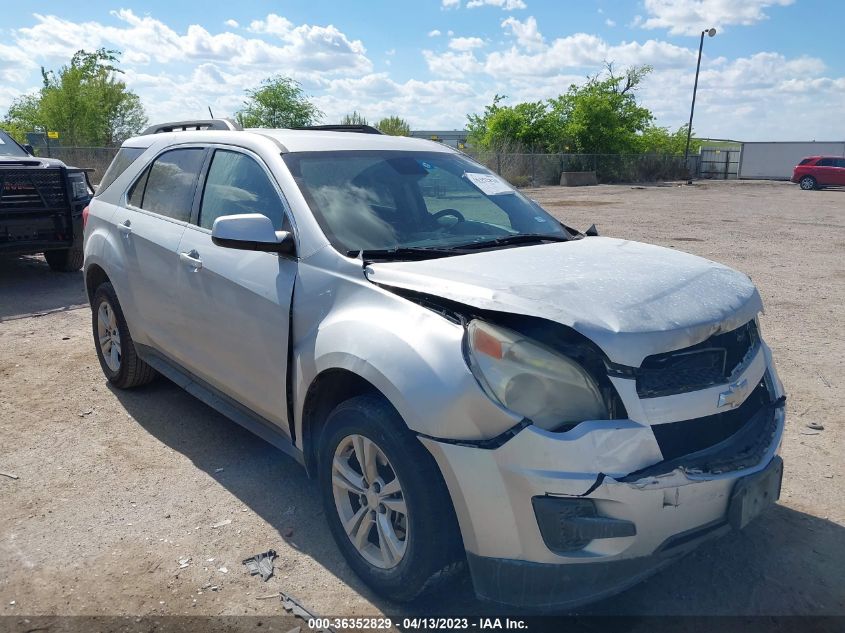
[825,171]
[150,225]
[235,305]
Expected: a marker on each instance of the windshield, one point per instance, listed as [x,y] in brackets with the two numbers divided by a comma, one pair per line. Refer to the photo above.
[8,146]
[386,200]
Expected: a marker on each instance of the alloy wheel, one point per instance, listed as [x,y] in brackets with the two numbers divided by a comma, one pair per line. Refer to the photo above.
[369,501]
[808,183]
[108,336]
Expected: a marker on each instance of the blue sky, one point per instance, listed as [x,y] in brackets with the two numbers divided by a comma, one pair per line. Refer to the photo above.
[775,70]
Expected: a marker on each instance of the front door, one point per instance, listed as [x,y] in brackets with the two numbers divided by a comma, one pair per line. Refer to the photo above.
[236,304]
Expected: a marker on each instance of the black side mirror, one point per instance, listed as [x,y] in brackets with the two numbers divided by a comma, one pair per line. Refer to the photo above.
[29,149]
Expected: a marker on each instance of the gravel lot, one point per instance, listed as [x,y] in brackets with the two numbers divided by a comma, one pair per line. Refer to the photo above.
[115,488]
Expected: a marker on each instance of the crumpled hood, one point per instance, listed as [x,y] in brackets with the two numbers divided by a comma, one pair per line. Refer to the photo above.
[631,299]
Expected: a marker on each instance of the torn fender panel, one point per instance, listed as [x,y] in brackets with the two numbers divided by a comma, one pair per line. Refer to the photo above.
[631,299]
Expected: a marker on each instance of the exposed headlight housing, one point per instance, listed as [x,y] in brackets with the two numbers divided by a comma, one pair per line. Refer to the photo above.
[531,379]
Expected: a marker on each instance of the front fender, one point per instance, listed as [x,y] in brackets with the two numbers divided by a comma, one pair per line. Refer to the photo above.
[412,355]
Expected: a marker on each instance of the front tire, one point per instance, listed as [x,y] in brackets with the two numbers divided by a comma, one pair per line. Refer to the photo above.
[65,260]
[386,502]
[115,349]
[808,183]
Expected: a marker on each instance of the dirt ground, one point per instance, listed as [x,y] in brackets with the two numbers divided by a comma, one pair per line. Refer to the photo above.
[114,489]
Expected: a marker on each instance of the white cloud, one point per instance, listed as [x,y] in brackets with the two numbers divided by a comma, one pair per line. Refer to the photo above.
[690,17]
[526,33]
[465,43]
[232,23]
[434,33]
[610,23]
[505,5]
[302,47]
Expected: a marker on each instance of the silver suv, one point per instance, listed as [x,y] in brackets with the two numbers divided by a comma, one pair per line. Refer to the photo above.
[470,380]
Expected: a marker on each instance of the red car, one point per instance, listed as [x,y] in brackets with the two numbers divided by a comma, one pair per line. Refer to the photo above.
[815,172]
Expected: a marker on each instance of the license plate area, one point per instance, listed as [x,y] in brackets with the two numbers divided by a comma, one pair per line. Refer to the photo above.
[753,494]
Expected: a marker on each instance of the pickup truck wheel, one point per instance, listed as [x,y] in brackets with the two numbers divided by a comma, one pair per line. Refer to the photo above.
[65,260]
[387,504]
[115,348]
[807,183]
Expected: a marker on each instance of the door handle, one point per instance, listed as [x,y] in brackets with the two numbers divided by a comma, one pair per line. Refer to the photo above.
[125,228]
[192,259]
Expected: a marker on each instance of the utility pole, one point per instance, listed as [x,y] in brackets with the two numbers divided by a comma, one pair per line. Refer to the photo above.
[710,32]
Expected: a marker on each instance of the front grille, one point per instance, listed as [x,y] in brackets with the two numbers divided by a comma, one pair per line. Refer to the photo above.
[35,188]
[711,362]
[676,439]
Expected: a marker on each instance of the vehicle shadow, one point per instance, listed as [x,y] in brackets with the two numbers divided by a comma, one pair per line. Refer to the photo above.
[784,552]
[28,286]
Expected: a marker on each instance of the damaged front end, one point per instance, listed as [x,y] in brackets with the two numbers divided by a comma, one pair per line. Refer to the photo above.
[585,509]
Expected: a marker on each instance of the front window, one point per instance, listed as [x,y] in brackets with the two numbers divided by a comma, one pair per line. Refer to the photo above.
[389,200]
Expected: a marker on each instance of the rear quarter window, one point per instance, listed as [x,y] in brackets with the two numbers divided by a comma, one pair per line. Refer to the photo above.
[806,161]
[125,157]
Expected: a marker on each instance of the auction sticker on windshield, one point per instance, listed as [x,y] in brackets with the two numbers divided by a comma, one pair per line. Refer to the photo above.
[489,184]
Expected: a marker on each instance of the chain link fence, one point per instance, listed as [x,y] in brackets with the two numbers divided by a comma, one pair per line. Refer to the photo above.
[521,170]
[97,159]
[534,170]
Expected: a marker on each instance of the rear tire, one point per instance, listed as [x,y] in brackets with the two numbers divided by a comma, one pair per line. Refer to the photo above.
[65,260]
[115,349]
[408,540]
[808,183]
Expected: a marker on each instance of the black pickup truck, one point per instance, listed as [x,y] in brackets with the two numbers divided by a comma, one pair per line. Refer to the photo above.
[41,205]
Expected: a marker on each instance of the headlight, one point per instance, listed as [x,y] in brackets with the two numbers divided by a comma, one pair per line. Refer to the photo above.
[530,379]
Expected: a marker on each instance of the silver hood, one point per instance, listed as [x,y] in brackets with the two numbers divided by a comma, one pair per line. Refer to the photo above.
[631,299]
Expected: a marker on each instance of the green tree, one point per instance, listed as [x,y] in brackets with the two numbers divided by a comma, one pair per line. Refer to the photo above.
[279,102]
[84,101]
[354,118]
[394,126]
[601,116]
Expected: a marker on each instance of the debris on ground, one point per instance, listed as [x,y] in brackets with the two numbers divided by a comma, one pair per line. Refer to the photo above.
[220,524]
[82,414]
[219,470]
[223,570]
[10,475]
[184,562]
[815,426]
[295,608]
[261,564]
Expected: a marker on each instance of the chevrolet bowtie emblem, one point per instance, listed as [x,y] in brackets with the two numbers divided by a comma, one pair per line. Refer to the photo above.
[735,395]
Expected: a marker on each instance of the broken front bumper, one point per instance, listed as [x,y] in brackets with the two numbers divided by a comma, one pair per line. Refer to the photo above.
[553,520]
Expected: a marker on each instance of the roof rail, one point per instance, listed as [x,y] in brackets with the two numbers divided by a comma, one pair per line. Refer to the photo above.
[194,125]
[362,129]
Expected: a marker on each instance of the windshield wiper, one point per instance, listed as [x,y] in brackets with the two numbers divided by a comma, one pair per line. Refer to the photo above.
[403,252]
[508,240]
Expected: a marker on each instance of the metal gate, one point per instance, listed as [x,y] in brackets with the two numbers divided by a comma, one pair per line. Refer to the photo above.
[718,163]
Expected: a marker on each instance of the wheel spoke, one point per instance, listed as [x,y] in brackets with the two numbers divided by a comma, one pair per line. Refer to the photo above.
[395,504]
[345,477]
[365,452]
[391,487]
[105,344]
[351,525]
[115,356]
[363,531]
[388,543]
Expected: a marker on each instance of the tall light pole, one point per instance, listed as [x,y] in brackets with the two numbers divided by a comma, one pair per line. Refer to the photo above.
[710,32]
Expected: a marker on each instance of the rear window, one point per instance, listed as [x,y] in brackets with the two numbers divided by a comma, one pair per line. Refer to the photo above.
[125,157]
[806,161]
